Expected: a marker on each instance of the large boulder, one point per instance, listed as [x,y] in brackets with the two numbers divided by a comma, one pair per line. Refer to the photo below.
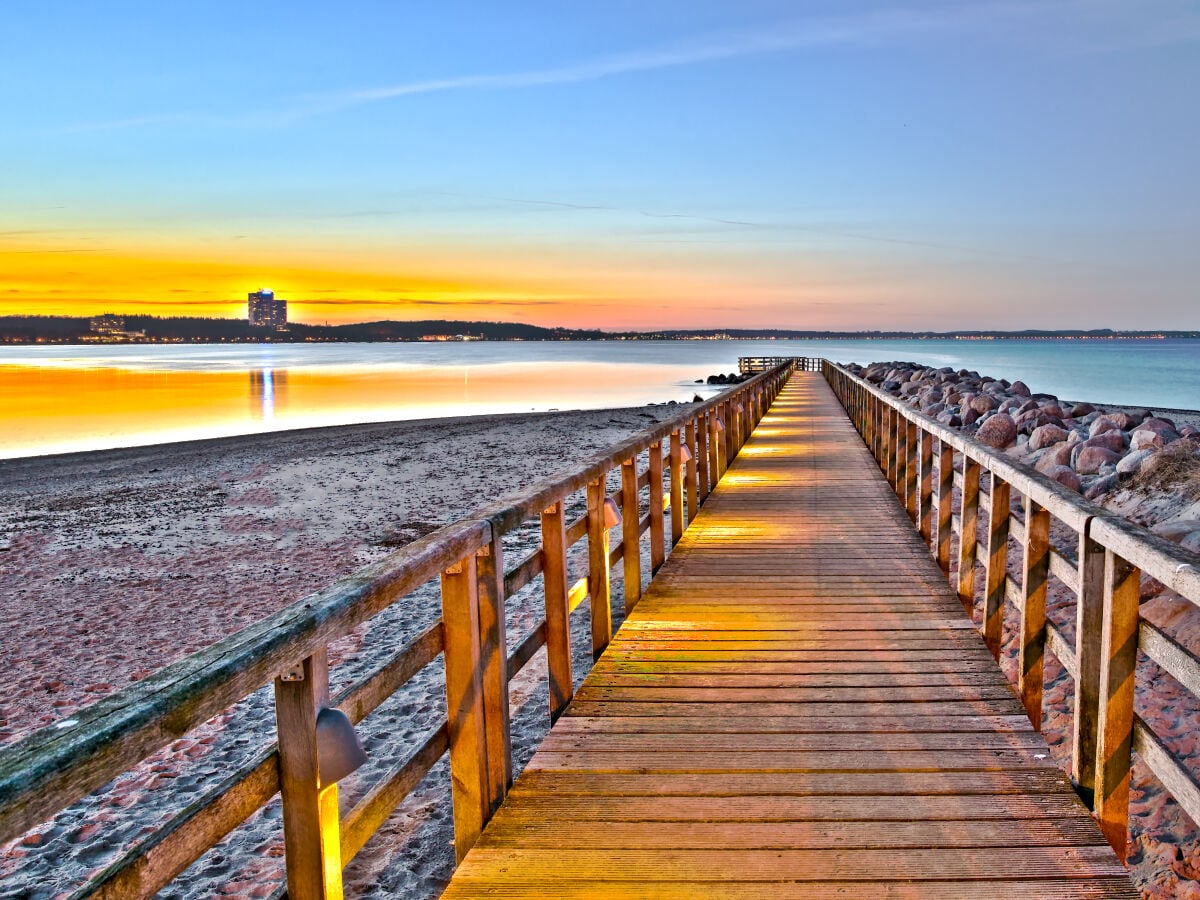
[1091,460]
[983,403]
[1058,455]
[1145,439]
[1102,424]
[1046,436]
[1126,420]
[1080,410]
[1109,440]
[998,431]
[1019,388]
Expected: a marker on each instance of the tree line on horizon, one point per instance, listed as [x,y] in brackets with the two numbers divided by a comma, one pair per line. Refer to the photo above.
[77,329]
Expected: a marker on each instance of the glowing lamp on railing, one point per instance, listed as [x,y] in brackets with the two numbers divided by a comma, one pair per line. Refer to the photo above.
[339,751]
[720,424]
[612,515]
[685,455]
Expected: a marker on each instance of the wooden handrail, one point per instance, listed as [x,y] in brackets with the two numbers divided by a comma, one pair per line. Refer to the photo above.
[56,766]
[1103,572]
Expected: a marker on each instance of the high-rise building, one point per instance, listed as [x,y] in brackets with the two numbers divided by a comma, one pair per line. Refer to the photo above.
[265,311]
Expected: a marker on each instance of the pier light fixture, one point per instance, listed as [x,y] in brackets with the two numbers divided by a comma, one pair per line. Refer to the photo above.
[685,455]
[720,424]
[612,515]
[339,751]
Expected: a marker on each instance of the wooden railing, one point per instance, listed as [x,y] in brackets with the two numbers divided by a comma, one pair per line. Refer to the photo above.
[58,765]
[753,365]
[1103,569]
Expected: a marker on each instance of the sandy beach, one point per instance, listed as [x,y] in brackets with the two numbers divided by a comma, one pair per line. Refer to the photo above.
[118,563]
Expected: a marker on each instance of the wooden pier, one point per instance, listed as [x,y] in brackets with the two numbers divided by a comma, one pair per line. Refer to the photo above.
[797,706]
[803,699]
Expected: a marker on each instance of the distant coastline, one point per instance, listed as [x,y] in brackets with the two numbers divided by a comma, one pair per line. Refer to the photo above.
[142,329]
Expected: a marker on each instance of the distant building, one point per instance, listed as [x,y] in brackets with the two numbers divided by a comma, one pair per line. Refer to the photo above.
[266,311]
[107,325]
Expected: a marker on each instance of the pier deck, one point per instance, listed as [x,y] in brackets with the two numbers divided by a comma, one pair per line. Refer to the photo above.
[797,706]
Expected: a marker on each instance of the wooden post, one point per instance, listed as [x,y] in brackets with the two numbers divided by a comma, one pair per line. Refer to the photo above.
[657,536]
[945,503]
[911,459]
[1089,624]
[1118,661]
[703,456]
[631,549]
[968,535]
[716,441]
[599,577]
[558,623]
[1033,616]
[693,500]
[464,703]
[311,832]
[493,656]
[902,460]
[676,487]
[997,565]
[925,500]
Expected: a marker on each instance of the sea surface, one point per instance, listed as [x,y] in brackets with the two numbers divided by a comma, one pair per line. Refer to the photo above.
[56,399]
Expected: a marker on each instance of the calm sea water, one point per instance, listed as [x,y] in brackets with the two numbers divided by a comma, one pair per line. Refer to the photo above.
[58,399]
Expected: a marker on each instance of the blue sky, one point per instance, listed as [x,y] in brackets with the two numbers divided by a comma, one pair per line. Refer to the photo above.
[856,165]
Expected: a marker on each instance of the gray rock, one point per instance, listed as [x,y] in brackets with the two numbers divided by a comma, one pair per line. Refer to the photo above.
[1101,486]
[1131,463]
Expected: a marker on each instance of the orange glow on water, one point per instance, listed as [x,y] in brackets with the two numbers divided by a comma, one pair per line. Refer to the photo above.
[51,409]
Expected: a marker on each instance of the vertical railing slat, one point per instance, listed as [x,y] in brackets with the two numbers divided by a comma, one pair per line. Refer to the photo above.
[1089,620]
[657,535]
[1036,569]
[558,624]
[464,703]
[599,576]
[1114,727]
[631,555]
[493,658]
[311,835]
[968,535]
[676,451]
[997,564]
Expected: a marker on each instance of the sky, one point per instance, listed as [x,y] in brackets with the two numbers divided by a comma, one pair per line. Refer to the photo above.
[701,164]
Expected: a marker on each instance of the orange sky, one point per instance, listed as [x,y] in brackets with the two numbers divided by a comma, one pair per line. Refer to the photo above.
[354,282]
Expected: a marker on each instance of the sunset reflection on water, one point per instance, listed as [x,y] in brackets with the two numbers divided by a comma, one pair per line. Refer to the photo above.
[57,409]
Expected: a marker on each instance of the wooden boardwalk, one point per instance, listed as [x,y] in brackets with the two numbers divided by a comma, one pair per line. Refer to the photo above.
[798,706]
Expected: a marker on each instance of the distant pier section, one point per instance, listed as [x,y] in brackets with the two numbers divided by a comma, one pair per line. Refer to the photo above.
[756,365]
